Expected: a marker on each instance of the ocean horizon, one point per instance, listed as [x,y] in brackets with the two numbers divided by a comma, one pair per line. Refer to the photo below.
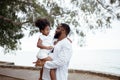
[103,60]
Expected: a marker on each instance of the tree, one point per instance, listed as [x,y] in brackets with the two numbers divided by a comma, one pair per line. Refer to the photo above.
[16,15]
[81,15]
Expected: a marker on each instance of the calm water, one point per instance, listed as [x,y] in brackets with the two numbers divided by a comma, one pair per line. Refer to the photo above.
[98,60]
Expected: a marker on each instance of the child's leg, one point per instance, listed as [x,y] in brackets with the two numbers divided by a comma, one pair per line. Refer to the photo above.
[47,59]
[41,73]
[53,74]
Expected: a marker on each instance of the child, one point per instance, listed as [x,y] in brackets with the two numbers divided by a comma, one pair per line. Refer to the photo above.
[45,44]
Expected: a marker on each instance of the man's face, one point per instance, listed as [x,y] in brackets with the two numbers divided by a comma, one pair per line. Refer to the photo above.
[58,32]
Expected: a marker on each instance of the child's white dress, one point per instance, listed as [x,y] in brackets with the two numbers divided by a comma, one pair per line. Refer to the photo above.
[46,41]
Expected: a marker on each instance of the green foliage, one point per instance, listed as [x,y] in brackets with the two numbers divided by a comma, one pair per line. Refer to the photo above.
[9,33]
[13,16]
[112,1]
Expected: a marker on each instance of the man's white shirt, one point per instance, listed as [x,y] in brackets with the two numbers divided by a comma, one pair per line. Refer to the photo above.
[61,58]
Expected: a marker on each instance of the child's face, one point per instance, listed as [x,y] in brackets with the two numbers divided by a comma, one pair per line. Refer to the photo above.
[46,31]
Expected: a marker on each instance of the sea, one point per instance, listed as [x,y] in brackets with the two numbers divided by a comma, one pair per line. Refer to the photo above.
[102,60]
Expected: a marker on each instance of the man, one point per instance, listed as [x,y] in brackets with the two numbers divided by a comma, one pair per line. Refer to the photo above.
[61,54]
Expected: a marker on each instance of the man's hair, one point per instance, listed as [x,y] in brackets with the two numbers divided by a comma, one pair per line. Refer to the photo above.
[66,27]
[42,23]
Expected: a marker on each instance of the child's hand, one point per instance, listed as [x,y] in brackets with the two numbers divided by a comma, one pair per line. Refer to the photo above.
[50,47]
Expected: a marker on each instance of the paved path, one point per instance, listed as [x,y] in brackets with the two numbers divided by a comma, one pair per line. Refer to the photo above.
[32,73]
[84,76]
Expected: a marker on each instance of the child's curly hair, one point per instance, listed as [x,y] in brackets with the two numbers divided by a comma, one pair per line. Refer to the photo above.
[41,23]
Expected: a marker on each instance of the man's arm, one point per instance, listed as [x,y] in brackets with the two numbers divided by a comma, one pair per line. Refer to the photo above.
[62,58]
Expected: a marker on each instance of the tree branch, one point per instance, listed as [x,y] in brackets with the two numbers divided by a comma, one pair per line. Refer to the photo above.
[13,22]
[9,20]
[105,7]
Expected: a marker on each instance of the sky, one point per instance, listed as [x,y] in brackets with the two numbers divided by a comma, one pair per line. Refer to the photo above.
[108,39]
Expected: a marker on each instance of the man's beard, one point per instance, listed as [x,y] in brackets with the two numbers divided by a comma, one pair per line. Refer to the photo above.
[57,35]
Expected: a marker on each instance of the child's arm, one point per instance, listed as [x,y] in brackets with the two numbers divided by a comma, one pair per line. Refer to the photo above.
[40,45]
